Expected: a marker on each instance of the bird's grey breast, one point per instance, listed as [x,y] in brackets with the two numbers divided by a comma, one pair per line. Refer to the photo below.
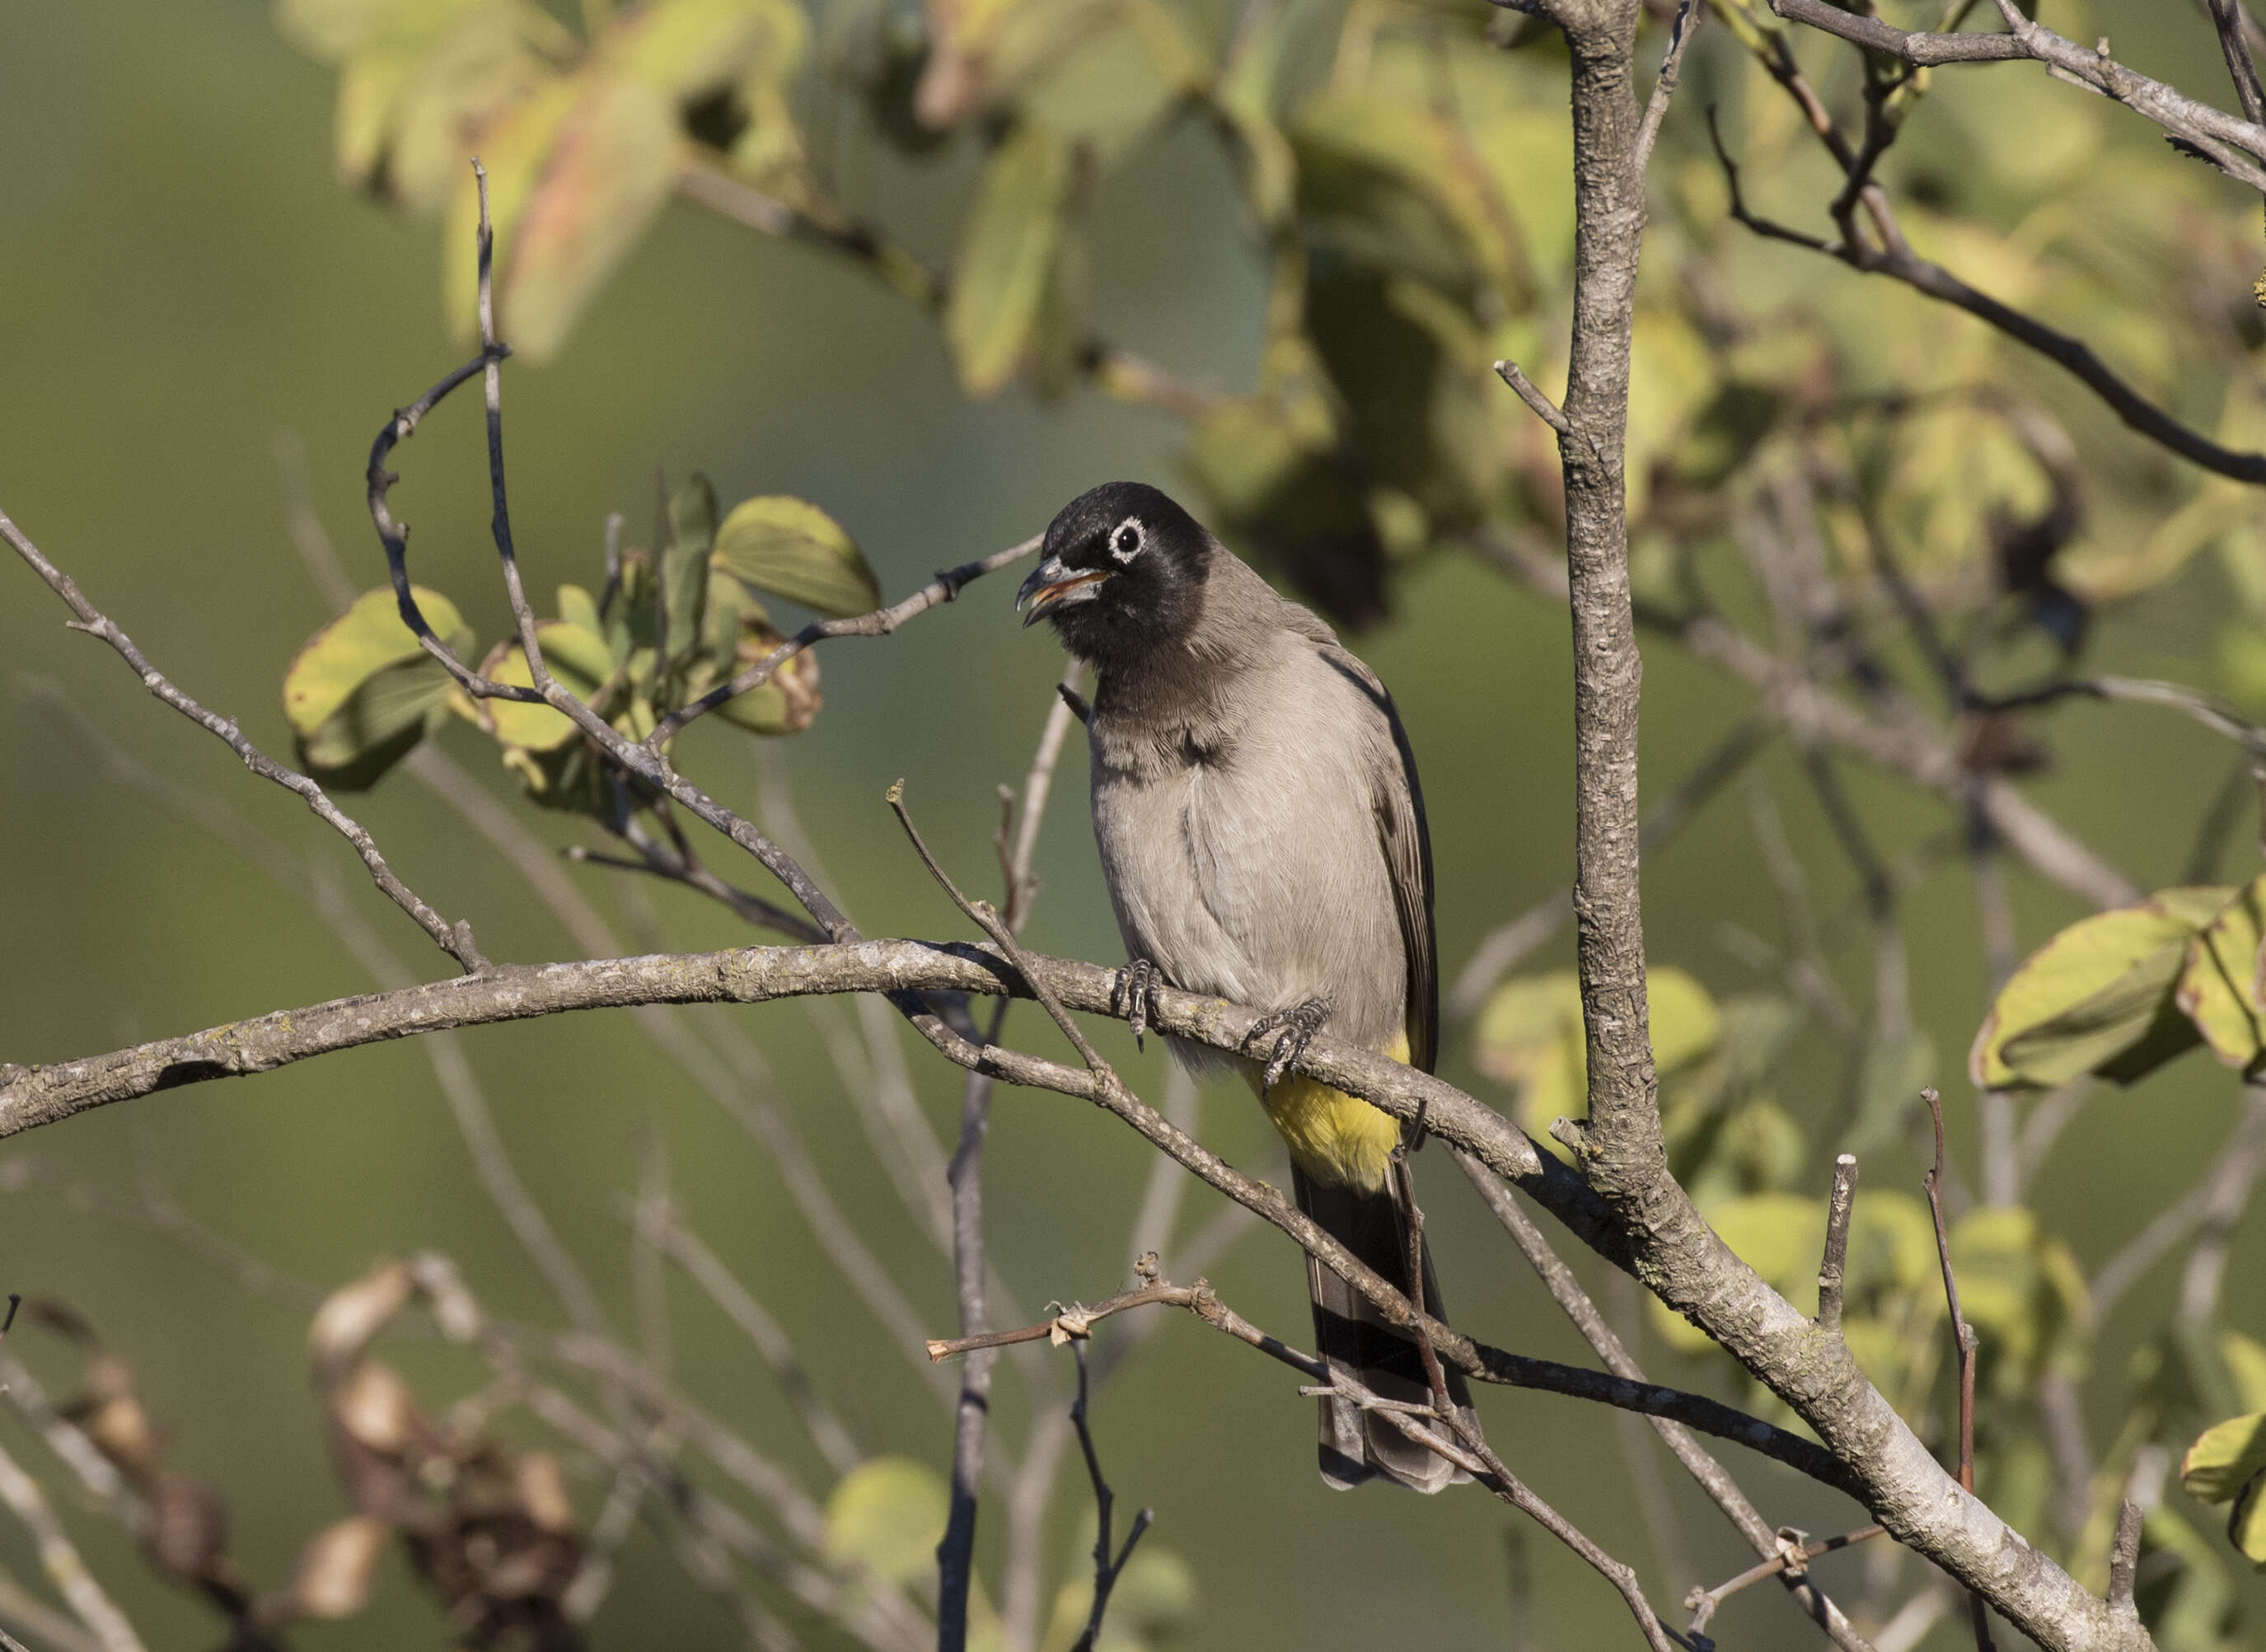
[1238,832]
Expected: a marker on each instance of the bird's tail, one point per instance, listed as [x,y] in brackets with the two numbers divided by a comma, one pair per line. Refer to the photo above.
[1353,1338]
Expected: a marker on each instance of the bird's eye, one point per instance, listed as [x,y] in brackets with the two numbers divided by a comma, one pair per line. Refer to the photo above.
[1127,541]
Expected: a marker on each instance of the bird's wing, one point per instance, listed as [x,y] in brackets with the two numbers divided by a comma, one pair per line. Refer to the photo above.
[1397,802]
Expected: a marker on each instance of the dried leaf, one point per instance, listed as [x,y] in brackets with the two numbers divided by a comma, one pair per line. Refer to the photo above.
[353,1314]
[542,1488]
[375,1409]
[337,1567]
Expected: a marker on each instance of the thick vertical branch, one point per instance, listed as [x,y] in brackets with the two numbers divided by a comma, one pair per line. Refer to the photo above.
[1622,1140]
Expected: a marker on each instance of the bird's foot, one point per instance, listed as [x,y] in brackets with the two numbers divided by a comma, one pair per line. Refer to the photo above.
[1135,983]
[1294,1029]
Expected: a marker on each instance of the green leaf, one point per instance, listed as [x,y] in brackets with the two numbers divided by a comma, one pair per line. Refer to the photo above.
[793,549]
[577,607]
[366,638]
[416,75]
[2224,1457]
[684,566]
[2092,994]
[361,693]
[2218,986]
[570,652]
[688,49]
[2246,1521]
[1007,251]
[887,1515]
[576,173]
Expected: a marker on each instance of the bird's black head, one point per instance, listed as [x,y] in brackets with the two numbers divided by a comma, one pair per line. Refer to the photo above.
[1121,572]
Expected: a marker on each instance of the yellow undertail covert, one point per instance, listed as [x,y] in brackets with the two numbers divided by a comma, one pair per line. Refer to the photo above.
[1334,1137]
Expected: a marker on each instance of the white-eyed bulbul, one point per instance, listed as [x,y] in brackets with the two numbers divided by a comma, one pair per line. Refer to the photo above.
[1262,834]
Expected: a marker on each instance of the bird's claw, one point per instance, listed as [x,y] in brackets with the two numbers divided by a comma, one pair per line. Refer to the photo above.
[1294,1029]
[1135,983]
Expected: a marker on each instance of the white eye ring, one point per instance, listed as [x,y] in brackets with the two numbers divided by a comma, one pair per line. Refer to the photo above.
[1128,539]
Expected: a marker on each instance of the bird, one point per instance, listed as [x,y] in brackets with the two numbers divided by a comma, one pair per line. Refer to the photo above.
[1261,832]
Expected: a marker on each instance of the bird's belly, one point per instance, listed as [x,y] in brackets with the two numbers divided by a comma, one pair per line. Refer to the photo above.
[1336,1138]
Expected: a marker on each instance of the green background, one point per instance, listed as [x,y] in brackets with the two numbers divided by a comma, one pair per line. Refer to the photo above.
[182,279]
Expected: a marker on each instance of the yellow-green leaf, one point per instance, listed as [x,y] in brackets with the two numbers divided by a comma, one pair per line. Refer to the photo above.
[361,693]
[2224,1457]
[576,173]
[2246,1521]
[2218,987]
[793,549]
[1007,251]
[689,47]
[2087,996]
[887,1515]
[568,651]
[365,639]
[684,566]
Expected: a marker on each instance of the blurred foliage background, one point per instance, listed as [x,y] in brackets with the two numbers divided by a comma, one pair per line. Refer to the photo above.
[1263,256]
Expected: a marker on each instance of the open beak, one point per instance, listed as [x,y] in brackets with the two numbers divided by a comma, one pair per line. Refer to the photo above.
[1051,585]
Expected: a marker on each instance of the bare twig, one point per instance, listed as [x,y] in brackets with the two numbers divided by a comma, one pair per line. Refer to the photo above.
[1792,1558]
[456,939]
[1107,1570]
[2235,146]
[1539,403]
[2124,1557]
[1965,1335]
[2234,43]
[1690,14]
[2219,137]
[1832,1268]
[1711,1475]
[880,622]
[60,1559]
[2211,713]
[955,1552]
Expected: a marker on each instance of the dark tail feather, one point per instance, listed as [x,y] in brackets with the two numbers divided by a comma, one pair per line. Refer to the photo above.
[1353,1338]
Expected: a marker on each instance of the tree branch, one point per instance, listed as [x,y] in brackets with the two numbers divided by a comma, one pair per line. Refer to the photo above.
[456,939]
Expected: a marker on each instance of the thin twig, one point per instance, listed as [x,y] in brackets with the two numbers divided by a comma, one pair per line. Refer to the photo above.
[1711,1476]
[1793,1557]
[1965,1335]
[60,1559]
[1690,14]
[456,939]
[1107,1570]
[1539,403]
[879,621]
[955,1551]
